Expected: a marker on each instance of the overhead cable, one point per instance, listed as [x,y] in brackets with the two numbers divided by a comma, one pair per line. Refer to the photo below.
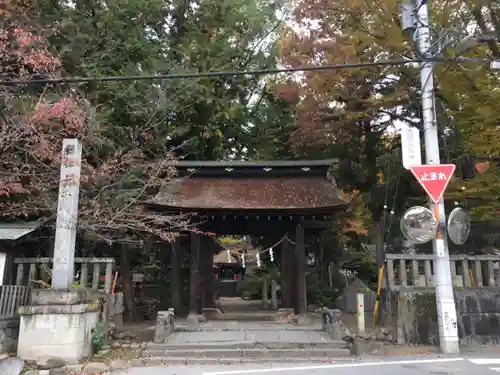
[213,74]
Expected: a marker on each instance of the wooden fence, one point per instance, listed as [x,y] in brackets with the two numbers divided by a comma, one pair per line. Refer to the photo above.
[12,297]
[417,271]
[40,269]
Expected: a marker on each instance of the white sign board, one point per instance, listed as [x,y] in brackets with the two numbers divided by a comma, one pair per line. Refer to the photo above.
[3,261]
[410,146]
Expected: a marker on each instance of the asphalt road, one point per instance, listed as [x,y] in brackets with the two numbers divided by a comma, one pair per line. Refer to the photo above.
[395,366]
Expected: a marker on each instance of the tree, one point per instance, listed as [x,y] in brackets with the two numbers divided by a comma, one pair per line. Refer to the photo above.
[115,180]
[131,130]
[349,114]
[204,118]
[467,99]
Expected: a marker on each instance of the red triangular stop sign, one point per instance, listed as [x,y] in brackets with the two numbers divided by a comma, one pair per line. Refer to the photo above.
[434,178]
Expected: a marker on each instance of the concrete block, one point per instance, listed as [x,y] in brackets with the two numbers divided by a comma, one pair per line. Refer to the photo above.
[57,331]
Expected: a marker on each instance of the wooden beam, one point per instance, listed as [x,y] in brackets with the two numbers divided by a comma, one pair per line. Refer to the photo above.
[194,274]
[175,275]
[317,224]
[300,267]
[207,266]
[287,265]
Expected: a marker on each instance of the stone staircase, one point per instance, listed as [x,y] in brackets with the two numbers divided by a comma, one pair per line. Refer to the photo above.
[246,342]
[237,309]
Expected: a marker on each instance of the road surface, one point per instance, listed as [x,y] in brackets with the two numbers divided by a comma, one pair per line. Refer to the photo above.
[430,365]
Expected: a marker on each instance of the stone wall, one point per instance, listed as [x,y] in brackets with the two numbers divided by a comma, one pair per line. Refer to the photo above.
[414,317]
[9,334]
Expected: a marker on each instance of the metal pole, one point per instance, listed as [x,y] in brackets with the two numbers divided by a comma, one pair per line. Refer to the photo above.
[446,311]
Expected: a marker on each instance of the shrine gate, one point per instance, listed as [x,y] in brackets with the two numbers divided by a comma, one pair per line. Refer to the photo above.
[263,198]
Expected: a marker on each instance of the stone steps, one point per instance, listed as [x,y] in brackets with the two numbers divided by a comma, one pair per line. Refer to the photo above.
[328,344]
[280,315]
[158,361]
[191,354]
[244,307]
[240,316]
[216,342]
[250,353]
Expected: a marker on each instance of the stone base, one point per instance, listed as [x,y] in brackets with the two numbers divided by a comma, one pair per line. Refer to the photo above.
[303,320]
[56,330]
[115,308]
[165,325]
[362,347]
[285,314]
[193,319]
[117,320]
[44,297]
[332,324]
[9,333]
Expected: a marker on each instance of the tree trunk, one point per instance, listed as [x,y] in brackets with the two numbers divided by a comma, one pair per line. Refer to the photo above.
[128,291]
[176,276]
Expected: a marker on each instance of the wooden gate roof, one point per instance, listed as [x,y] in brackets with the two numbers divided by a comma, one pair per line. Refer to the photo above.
[293,187]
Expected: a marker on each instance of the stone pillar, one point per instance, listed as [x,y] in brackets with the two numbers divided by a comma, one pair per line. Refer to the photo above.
[265,300]
[67,215]
[300,269]
[194,277]
[175,275]
[58,323]
[287,263]
[274,295]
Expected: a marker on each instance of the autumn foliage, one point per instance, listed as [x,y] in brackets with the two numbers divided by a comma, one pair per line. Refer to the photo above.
[34,119]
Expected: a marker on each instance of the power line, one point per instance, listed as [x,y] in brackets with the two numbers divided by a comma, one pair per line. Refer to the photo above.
[257,72]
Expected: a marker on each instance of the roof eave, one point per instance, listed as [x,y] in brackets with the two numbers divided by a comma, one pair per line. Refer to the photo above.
[271,211]
[254,164]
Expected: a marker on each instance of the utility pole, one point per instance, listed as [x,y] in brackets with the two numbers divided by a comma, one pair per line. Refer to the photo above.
[445,302]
